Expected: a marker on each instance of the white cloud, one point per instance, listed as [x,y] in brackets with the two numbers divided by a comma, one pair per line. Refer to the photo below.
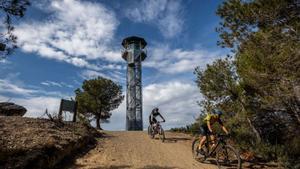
[118,118]
[173,61]
[4,62]
[34,100]
[36,106]
[176,101]
[7,87]
[115,75]
[56,84]
[166,14]
[76,32]
[50,83]
[89,74]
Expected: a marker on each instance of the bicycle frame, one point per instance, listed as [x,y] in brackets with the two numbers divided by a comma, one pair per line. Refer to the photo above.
[157,127]
[218,143]
[219,151]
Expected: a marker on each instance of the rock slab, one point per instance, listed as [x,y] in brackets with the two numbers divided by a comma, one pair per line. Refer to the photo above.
[11,109]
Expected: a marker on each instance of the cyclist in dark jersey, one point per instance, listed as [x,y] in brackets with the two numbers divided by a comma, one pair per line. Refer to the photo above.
[206,129]
[153,116]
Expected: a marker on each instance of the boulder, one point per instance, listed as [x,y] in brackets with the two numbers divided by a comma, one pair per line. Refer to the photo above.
[11,109]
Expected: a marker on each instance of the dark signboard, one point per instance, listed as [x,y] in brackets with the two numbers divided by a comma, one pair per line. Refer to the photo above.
[68,105]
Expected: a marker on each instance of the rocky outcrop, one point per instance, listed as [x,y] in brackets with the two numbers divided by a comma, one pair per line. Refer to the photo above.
[11,109]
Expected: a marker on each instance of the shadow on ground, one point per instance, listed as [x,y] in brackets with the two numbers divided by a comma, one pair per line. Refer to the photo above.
[157,167]
[113,167]
[176,139]
[210,161]
[256,165]
[126,167]
[105,135]
[70,160]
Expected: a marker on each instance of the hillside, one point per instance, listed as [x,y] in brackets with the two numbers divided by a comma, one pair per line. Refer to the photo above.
[39,143]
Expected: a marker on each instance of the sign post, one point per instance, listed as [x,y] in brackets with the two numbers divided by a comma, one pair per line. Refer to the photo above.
[68,105]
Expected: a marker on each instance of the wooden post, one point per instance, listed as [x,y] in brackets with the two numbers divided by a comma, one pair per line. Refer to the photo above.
[75,111]
[60,110]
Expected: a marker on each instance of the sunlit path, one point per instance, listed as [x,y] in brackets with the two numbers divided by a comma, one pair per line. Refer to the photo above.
[135,149]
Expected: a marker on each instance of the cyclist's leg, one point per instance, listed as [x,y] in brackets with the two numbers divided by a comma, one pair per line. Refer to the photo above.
[154,123]
[213,141]
[202,141]
[153,127]
[203,133]
[212,138]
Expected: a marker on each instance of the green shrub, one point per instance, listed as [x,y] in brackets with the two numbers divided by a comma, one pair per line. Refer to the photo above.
[189,129]
[290,156]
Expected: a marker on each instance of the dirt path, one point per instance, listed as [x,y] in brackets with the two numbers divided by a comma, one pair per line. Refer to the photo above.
[122,150]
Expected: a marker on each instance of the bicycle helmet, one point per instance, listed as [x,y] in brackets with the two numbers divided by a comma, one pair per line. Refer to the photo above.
[217,112]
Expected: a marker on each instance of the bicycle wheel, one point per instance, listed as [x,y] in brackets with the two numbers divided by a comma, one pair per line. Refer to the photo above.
[162,135]
[150,132]
[197,156]
[228,157]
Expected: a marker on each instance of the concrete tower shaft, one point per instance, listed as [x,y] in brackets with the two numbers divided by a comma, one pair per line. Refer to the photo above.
[134,53]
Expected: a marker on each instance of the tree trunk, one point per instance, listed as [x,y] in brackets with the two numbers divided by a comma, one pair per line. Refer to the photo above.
[294,113]
[258,138]
[98,123]
[292,108]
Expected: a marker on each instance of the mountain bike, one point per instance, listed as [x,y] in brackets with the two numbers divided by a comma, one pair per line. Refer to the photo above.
[225,155]
[156,129]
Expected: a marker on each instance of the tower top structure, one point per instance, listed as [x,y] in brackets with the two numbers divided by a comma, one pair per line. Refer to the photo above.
[138,45]
[135,40]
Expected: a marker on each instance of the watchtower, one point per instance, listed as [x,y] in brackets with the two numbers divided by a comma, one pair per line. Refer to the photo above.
[134,53]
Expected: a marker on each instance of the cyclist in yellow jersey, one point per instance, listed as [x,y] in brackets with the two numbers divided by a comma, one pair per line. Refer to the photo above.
[206,129]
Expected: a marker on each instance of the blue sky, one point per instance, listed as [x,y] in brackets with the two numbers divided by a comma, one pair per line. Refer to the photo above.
[63,42]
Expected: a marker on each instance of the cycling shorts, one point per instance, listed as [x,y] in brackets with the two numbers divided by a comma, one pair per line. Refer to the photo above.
[204,130]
